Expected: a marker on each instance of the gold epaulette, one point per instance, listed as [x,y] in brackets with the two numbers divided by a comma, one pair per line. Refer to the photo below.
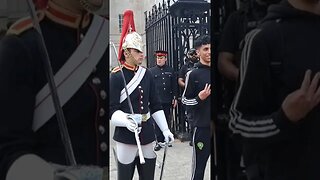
[24,24]
[116,69]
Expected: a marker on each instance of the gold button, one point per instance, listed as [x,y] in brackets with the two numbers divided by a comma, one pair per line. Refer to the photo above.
[103,94]
[103,146]
[102,129]
[81,36]
[96,81]
[101,112]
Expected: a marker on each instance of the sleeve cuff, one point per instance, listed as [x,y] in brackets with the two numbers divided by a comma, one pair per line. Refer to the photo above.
[282,121]
[199,100]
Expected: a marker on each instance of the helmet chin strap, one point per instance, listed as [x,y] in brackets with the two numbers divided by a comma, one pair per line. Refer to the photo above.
[89,6]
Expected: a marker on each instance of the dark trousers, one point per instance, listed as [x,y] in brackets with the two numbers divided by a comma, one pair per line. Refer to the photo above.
[233,157]
[201,151]
[189,116]
[166,108]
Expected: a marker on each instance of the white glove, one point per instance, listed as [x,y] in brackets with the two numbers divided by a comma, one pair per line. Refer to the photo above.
[161,121]
[133,121]
[168,136]
[30,166]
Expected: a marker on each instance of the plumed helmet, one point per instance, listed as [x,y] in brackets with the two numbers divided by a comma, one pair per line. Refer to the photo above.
[129,37]
[133,40]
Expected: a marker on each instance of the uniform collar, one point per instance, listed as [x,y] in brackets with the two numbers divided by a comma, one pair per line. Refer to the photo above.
[161,66]
[130,67]
[63,16]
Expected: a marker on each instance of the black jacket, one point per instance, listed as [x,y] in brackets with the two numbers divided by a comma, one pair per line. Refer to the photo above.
[185,68]
[144,99]
[166,83]
[276,56]
[22,76]
[195,82]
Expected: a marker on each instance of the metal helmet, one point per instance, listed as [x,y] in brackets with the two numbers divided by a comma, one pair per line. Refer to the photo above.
[129,37]
[133,40]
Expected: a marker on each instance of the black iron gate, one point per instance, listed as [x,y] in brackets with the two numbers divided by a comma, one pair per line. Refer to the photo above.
[173,27]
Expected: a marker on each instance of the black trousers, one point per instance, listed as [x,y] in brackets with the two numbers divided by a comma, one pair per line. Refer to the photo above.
[201,151]
[189,112]
[166,108]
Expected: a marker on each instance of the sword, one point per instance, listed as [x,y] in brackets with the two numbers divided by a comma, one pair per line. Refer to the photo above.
[164,159]
[174,120]
[65,138]
[141,158]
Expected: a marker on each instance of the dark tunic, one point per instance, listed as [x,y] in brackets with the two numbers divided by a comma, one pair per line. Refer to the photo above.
[22,76]
[144,99]
[166,83]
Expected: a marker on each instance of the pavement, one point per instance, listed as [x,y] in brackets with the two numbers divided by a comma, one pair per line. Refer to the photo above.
[177,165]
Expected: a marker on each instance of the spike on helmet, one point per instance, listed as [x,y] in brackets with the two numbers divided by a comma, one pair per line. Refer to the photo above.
[129,37]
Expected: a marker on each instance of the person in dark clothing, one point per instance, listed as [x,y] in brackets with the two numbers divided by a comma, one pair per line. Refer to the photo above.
[276,108]
[30,142]
[191,59]
[145,103]
[197,96]
[240,22]
[166,85]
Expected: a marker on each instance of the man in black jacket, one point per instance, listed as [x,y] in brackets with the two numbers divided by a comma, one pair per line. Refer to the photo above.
[29,132]
[197,96]
[166,85]
[276,109]
[240,22]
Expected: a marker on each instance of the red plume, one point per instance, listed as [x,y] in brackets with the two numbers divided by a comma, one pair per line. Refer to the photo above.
[127,26]
[40,4]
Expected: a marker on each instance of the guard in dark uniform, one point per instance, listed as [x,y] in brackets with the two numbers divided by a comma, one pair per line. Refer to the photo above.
[197,95]
[145,103]
[166,84]
[25,146]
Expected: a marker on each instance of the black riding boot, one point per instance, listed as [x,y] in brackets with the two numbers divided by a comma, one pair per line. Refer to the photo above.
[125,171]
[146,171]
